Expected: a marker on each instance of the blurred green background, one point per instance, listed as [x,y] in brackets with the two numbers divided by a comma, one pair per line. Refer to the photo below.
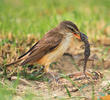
[21,17]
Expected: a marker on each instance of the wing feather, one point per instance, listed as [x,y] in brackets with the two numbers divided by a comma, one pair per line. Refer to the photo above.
[50,41]
[28,50]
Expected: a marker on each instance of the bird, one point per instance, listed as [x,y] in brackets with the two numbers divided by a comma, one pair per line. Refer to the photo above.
[51,47]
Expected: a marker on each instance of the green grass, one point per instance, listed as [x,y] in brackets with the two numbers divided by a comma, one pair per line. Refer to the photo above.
[22,17]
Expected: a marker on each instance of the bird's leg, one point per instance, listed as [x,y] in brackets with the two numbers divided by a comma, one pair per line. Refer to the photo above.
[46,68]
[53,74]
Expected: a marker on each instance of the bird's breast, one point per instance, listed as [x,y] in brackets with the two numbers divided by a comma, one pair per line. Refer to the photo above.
[57,52]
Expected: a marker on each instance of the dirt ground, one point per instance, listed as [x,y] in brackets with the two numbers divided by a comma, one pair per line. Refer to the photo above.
[98,71]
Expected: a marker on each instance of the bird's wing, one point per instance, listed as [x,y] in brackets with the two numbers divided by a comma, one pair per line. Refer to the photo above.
[50,41]
[28,50]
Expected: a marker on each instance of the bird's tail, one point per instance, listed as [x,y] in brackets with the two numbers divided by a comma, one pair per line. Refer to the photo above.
[15,62]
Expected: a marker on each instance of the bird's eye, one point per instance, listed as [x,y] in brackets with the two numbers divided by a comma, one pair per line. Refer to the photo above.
[70,28]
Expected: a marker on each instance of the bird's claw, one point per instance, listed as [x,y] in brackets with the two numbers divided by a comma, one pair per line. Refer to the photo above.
[54,78]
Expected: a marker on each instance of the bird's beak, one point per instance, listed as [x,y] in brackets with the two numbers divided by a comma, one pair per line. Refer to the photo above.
[77,36]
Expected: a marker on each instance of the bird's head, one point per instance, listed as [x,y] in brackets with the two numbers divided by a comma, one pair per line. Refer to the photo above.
[70,27]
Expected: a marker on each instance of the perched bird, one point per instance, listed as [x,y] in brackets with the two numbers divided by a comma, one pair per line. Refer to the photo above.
[51,47]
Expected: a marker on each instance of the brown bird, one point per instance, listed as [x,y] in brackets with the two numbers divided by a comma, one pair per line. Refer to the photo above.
[51,47]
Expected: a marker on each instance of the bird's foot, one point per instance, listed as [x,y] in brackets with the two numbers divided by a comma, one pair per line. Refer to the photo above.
[53,77]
